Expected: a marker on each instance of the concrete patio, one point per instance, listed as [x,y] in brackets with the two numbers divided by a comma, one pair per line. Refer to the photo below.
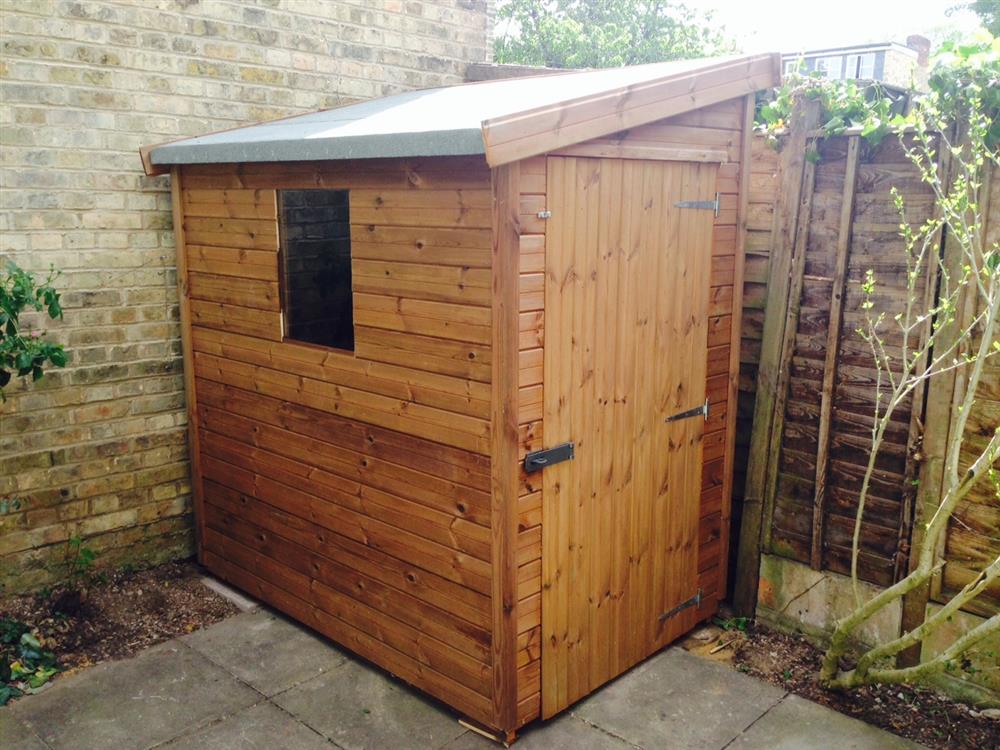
[259,681]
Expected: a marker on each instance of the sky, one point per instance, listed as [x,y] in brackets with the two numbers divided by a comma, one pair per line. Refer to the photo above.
[797,25]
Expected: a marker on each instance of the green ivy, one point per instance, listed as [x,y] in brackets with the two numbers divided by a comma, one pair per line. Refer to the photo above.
[25,666]
[22,353]
[964,82]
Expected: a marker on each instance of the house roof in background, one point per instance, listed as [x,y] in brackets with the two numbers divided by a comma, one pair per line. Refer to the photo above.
[852,49]
[505,120]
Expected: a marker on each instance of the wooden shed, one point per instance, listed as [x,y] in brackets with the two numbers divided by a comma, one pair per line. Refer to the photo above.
[397,313]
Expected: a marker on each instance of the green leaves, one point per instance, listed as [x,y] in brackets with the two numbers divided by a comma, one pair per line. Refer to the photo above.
[23,353]
[25,665]
[964,90]
[611,33]
[80,559]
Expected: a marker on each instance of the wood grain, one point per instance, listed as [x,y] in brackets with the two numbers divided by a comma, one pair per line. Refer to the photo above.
[606,314]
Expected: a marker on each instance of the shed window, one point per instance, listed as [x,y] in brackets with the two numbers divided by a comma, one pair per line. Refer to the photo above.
[316,267]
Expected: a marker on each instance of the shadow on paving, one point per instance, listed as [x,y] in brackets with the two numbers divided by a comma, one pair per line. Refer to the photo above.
[259,681]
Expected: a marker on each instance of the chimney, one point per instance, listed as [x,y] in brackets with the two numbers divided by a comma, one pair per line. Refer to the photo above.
[922,46]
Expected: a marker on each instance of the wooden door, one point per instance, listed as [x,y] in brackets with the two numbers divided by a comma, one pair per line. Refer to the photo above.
[626,308]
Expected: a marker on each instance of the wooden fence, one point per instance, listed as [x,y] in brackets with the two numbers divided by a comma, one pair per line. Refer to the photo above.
[816,226]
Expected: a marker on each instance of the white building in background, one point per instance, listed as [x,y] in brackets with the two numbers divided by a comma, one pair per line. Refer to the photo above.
[898,65]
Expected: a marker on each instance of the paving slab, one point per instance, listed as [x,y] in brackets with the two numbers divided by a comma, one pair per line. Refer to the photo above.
[566,732]
[679,701]
[135,703]
[260,727]
[266,651]
[797,723]
[359,707]
[14,733]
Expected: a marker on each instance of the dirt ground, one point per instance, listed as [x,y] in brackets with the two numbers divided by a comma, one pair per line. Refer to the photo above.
[120,616]
[792,663]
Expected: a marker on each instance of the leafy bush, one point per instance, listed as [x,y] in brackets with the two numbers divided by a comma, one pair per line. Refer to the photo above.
[24,665]
[24,354]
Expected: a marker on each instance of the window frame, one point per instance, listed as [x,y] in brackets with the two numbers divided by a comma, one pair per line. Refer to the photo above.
[282,259]
[798,65]
[822,61]
[857,63]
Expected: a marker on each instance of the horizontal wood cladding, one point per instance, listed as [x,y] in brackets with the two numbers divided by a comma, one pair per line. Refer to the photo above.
[294,594]
[421,278]
[352,489]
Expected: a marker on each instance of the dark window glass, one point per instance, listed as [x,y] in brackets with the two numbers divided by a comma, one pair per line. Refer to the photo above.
[316,258]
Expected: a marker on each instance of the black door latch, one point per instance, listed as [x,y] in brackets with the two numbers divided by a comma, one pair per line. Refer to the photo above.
[537,460]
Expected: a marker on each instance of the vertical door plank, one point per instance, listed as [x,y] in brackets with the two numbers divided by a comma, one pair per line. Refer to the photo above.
[604,469]
[554,552]
[624,418]
[627,297]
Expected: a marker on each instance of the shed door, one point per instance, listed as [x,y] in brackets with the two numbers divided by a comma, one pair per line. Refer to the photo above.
[626,307]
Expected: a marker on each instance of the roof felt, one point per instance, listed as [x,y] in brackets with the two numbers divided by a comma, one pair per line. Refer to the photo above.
[432,122]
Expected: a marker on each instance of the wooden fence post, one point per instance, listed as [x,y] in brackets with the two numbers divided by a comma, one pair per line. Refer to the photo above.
[793,170]
[832,348]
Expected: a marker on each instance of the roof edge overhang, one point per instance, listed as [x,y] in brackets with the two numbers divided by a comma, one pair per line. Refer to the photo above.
[460,142]
[508,138]
[530,133]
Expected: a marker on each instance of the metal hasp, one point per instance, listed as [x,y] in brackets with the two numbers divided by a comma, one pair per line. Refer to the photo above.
[712,206]
[694,601]
[703,409]
[537,460]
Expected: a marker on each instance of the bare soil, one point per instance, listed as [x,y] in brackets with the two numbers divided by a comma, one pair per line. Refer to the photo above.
[792,663]
[122,615]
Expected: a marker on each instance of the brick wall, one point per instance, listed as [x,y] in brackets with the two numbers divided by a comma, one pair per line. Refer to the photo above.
[99,449]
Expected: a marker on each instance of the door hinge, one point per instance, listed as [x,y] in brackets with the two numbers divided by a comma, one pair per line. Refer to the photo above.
[712,206]
[694,601]
[703,409]
[537,460]
[546,214]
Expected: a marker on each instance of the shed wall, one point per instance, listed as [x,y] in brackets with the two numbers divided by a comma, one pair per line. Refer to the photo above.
[716,128]
[352,491]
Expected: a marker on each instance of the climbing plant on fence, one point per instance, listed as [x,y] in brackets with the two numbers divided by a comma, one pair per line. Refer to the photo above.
[952,137]
[954,145]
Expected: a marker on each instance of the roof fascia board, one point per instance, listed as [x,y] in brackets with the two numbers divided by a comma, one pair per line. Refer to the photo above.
[465,142]
[532,132]
[850,50]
